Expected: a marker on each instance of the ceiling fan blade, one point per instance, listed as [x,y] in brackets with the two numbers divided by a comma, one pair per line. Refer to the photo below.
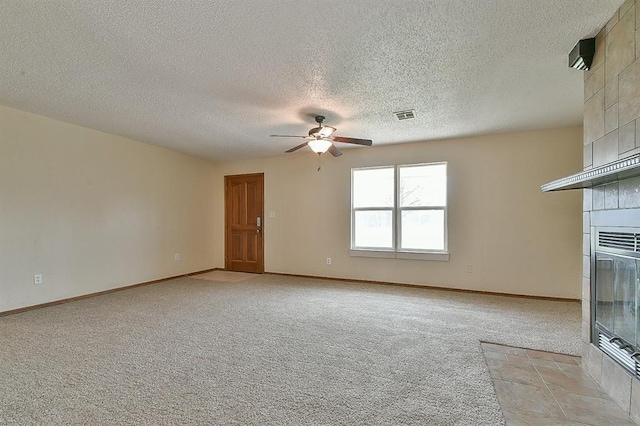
[287,136]
[295,148]
[334,151]
[366,142]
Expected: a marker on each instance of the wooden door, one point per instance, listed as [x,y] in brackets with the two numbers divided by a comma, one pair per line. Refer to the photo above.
[243,223]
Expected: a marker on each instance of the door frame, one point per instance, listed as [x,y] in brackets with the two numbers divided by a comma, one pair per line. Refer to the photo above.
[227,239]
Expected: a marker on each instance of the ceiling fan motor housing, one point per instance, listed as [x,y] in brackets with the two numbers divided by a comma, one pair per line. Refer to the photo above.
[322,132]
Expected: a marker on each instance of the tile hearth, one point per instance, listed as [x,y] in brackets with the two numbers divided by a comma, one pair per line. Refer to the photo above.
[544,388]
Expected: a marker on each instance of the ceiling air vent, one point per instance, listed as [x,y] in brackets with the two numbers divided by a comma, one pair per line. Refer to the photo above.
[405,115]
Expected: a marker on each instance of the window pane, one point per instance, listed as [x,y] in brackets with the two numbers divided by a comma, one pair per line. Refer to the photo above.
[423,186]
[373,229]
[422,229]
[373,188]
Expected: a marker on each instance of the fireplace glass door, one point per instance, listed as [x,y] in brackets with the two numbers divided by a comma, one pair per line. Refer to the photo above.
[616,308]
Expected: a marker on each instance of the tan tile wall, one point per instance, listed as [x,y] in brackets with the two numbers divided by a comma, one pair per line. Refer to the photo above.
[611,132]
[612,91]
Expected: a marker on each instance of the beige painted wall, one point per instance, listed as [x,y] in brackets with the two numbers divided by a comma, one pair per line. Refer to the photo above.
[517,239]
[92,211]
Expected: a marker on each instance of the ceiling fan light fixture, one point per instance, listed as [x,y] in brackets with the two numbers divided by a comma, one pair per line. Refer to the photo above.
[319,146]
[321,139]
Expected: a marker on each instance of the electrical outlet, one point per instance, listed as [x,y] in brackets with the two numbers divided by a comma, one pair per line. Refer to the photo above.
[328,261]
[468,269]
[37,279]
[177,256]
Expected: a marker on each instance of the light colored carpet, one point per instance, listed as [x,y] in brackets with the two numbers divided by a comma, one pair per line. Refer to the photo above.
[224,276]
[271,350]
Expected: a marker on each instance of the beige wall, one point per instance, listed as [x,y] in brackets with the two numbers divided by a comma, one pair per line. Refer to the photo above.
[517,239]
[92,211]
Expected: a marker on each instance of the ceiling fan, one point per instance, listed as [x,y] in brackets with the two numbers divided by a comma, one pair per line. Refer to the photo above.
[321,139]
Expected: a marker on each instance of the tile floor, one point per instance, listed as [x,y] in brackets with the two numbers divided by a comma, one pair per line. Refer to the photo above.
[543,388]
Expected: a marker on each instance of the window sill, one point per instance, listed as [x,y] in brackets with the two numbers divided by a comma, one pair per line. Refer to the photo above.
[437,256]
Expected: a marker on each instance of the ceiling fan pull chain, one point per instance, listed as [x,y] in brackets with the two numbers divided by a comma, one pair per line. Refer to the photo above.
[319,166]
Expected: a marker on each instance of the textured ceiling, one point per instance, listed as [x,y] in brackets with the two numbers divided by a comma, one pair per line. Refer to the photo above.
[214,78]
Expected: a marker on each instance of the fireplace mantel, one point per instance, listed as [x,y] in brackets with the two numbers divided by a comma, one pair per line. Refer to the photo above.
[611,172]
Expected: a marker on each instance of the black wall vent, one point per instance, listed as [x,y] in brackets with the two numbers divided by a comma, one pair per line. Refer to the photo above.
[619,240]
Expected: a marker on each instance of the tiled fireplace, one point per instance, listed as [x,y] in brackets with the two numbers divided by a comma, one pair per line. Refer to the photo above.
[612,210]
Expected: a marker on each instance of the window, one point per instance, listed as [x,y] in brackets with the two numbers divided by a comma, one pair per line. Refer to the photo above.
[399,209]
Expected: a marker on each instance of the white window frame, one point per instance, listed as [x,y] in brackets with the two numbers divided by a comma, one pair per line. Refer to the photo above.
[396,213]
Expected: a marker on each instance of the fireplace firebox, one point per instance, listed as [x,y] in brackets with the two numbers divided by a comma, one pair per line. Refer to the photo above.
[615,296]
